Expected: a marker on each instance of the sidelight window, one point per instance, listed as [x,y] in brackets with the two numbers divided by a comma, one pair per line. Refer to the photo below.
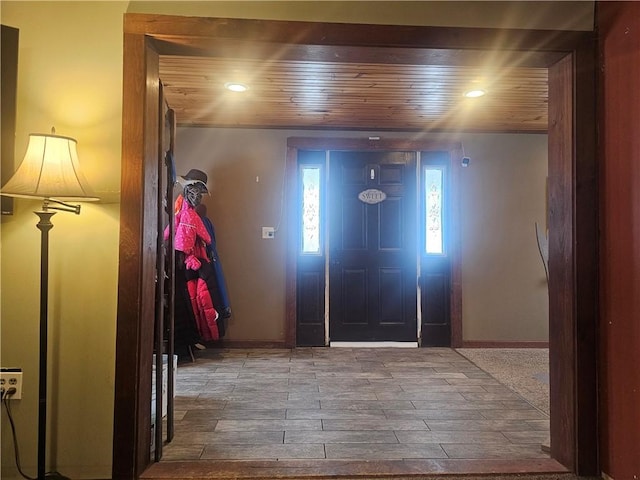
[310,176]
[434,209]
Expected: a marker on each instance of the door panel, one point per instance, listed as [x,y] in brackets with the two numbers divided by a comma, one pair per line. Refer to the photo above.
[354,230]
[391,220]
[372,272]
[353,296]
[311,298]
[391,298]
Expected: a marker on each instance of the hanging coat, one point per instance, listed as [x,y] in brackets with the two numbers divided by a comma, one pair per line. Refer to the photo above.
[205,314]
[191,238]
[221,295]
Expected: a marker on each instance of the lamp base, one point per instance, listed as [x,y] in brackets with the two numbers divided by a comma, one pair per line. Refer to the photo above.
[55,476]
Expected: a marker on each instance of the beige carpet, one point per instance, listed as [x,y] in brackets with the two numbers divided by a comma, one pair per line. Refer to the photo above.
[523,370]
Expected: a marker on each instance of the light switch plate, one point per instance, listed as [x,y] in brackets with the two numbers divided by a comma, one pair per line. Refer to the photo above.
[268,232]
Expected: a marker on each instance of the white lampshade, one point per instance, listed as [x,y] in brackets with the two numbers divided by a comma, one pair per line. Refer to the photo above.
[50,169]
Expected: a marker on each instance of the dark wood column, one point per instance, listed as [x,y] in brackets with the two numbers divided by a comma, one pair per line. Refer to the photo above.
[137,268]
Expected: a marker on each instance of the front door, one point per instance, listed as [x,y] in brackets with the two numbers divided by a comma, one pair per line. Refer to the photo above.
[372,246]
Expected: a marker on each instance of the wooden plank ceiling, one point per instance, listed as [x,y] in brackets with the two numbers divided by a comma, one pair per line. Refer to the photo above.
[286,93]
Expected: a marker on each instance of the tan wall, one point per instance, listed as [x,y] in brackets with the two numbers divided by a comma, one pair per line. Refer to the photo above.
[70,71]
[239,206]
[504,287]
[502,195]
[575,15]
[70,77]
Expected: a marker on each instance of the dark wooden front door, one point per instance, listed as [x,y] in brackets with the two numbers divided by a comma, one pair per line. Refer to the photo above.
[372,245]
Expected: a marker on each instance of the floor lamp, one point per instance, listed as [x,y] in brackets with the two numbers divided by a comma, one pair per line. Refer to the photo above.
[50,171]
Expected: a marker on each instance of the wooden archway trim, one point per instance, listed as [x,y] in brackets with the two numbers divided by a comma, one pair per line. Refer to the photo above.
[573,200]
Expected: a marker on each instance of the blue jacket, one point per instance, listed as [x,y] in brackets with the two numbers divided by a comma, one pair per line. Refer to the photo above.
[221,295]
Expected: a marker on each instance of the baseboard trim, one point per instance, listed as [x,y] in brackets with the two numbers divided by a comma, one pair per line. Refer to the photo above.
[465,344]
[374,344]
[249,344]
[494,344]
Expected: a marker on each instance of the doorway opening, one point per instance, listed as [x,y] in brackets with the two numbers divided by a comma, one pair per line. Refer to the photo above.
[572,223]
[377,241]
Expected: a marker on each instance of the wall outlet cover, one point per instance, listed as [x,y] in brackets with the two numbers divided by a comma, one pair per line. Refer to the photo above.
[268,232]
[11,378]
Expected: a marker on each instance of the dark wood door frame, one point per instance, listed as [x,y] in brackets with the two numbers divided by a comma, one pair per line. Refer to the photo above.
[295,144]
[573,212]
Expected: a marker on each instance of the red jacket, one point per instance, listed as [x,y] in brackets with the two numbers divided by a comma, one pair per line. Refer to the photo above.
[203,310]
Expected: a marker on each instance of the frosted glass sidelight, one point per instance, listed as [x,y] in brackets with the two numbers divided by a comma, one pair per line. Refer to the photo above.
[311,210]
[433,203]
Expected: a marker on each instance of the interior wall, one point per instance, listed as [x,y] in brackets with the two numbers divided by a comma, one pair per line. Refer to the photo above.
[553,15]
[619,24]
[503,194]
[70,77]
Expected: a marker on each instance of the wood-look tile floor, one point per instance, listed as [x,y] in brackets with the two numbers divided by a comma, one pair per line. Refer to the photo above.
[364,404]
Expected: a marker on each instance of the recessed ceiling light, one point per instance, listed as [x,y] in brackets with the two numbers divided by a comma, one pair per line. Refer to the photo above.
[236,87]
[475,93]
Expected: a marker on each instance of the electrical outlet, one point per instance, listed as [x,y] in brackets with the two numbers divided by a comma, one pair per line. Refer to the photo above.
[11,378]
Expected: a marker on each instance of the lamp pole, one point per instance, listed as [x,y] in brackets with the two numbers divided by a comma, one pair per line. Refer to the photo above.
[50,168]
[44,225]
